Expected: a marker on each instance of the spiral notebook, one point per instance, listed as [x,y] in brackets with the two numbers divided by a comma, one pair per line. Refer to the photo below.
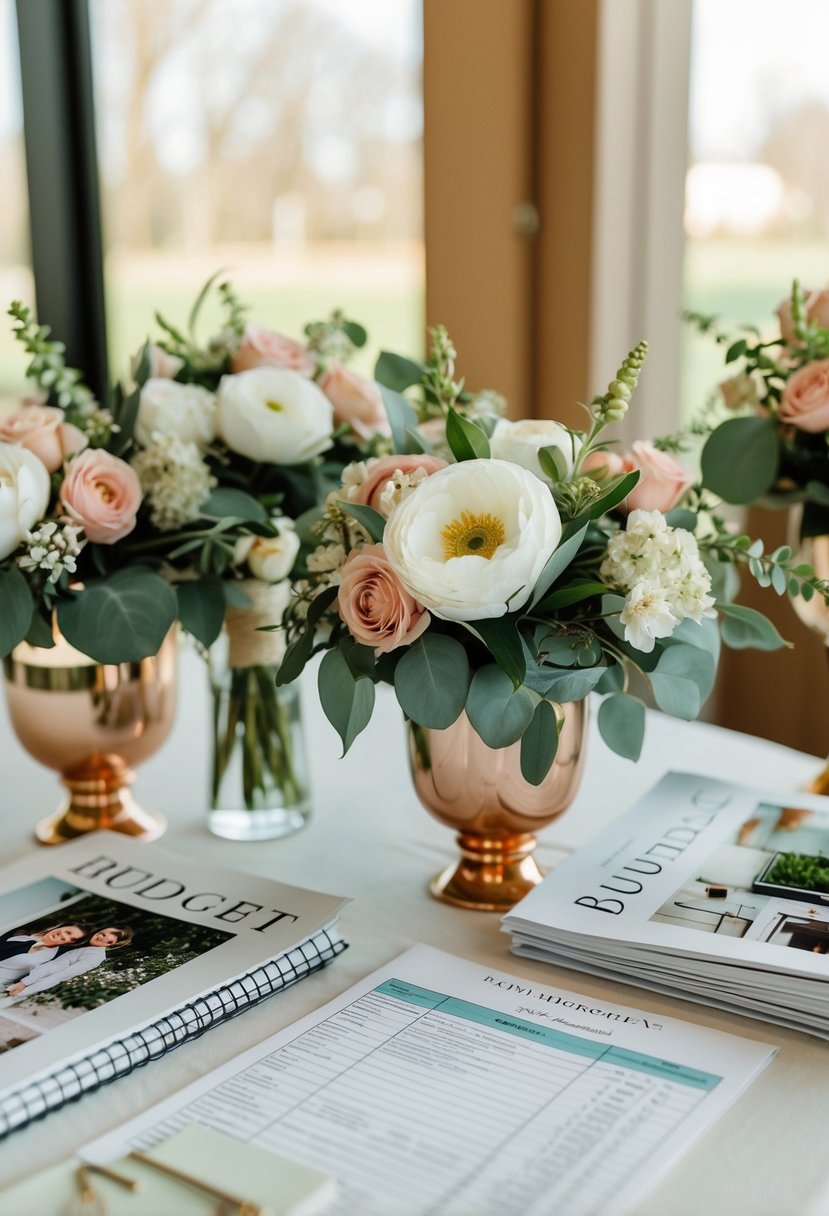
[112,953]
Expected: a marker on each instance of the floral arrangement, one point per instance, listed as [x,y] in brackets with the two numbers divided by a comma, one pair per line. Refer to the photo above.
[124,517]
[494,567]
[175,501]
[773,446]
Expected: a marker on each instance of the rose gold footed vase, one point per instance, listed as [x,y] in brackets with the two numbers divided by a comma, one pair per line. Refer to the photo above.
[92,722]
[481,793]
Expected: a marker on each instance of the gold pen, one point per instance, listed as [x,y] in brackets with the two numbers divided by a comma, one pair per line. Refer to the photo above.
[244,1206]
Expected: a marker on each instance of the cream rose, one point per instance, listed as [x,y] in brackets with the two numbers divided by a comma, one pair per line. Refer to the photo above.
[272,414]
[24,494]
[269,558]
[166,407]
[43,429]
[357,402]
[817,312]
[471,541]
[521,442]
[375,605]
[370,492]
[266,348]
[662,481]
[805,400]
[102,494]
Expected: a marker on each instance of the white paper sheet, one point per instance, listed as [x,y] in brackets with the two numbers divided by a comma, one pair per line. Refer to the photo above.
[436,1085]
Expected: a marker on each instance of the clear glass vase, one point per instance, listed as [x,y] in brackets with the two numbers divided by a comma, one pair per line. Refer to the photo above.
[259,787]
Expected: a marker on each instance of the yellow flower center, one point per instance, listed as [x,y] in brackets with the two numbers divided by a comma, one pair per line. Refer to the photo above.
[472,536]
[276,406]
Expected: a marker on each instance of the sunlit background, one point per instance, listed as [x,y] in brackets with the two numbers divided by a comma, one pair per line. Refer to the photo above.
[305,183]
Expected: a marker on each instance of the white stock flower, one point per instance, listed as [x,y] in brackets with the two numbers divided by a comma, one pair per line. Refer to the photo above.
[471,541]
[647,615]
[175,481]
[269,558]
[53,547]
[521,442]
[24,494]
[166,407]
[273,414]
[661,571]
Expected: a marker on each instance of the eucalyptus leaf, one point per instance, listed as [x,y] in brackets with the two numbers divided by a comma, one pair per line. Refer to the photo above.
[40,631]
[621,722]
[676,695]
[372,520]
[498,712]
[226,501]
[347,700]
[432,679]
[201,608]
[558,563]
[355,333]
[401,418]
[740,458]
[539,744]
[301,648]
[743,628]
[397,372]
[121,618]
[17,608]
[573,685]
[613,679]
[466,439]
[690,663]
[503,641]
[681,517]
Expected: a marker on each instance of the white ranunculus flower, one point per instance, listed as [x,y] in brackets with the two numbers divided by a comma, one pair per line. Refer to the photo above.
[24,494]
[274,414]
[520,442]
[269,558]
[168,408]
[471,541]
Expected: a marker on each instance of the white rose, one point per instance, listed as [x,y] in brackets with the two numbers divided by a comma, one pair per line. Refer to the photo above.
[520,442]
[269,558]
[169,408]
[24,494]
[273,414]
[471,541]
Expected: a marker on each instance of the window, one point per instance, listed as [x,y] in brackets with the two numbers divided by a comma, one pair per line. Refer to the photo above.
[15,266]
[279,140]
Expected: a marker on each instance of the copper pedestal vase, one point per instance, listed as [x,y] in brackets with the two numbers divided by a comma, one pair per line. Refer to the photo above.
[481,793]
[92,722]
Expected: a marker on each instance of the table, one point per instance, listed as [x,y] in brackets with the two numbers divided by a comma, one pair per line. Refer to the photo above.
[370,839]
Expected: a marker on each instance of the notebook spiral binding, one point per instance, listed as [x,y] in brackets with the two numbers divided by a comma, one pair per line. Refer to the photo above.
[190,1021]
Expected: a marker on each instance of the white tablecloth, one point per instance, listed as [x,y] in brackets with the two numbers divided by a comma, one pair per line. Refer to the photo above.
[370,839]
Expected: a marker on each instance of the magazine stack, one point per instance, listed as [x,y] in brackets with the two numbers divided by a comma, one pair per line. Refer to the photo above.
[704,890]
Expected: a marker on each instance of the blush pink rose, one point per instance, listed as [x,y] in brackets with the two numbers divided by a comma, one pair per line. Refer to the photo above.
[662,481]
[266,348]
[102,494]
[374,604]
[383,470]
[805,400]
[43,430]
[603,466]
[817,311]
[356,401]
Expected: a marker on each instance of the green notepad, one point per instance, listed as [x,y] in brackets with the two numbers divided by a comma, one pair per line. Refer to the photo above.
[284,1187]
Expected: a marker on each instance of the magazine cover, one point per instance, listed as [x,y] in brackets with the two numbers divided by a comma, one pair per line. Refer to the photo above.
[105,935]
[699,869]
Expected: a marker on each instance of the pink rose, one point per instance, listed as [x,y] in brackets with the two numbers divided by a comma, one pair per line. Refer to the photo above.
[603,466]
[266,348]
[356,401]
[805,400]
[163,366]
[383,471]
[102,494]
[43,430]
[662,480]
[375,605]
[817,312]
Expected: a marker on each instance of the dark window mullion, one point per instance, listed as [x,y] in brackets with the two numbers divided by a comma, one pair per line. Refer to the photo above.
[62,169]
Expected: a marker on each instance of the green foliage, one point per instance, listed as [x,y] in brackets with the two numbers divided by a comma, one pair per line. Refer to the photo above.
[371,520]
[201,608]
[466,439]
[120,618]
[800,870]
[498,711]
[432,679]
[347,699]
[740,459]
[17,608]
[621,721]
[744,627]
[539,744]
[402,419]
[397,372]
